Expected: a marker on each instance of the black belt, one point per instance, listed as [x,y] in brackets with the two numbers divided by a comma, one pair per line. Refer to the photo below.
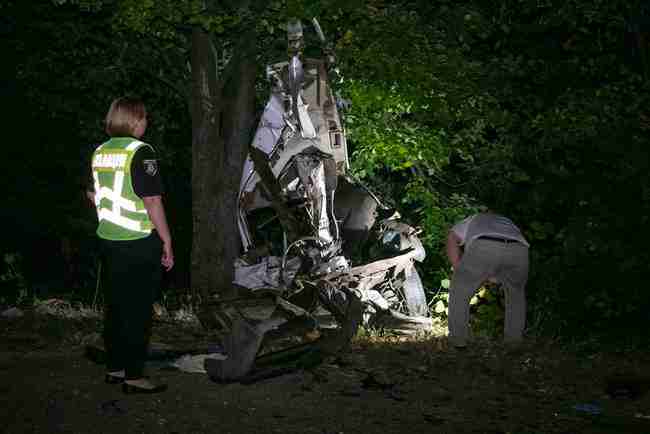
[501,240]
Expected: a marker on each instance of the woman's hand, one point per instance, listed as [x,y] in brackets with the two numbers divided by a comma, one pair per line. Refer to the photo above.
[156,212]
[167,256]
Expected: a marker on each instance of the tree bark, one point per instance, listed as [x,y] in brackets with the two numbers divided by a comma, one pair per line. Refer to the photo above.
[222,120]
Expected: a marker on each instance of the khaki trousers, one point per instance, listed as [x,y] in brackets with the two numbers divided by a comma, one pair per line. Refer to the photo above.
[508,264]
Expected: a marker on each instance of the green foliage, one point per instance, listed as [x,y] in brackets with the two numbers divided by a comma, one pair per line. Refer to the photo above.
[537,109]
[487,313]
[13,287]
[417,113]
[439,301]
[486,308]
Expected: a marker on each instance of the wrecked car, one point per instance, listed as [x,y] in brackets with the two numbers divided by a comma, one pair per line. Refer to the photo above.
[306,225]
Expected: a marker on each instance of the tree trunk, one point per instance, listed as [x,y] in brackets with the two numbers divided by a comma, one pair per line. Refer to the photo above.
[222,120]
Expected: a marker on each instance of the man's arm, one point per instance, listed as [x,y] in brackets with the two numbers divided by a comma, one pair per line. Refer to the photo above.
[453,249]
[156,212]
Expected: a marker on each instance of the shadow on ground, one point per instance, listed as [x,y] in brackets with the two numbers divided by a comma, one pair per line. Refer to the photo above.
[382,385]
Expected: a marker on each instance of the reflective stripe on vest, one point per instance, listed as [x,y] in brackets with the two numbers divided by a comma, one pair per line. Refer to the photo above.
[127,214]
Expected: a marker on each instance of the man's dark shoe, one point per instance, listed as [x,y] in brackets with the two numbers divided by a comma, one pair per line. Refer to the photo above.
[457,345]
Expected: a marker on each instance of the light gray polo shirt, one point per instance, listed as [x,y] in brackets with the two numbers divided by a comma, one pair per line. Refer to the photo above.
[487,225]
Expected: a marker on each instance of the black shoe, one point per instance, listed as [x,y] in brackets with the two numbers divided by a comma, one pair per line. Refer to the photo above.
[131,389]
[112,379]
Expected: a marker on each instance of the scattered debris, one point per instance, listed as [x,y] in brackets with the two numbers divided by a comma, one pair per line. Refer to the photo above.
[63,309]
[12,313]
[114,407]
[91,339]
[195,364]
[433,419]
[352,391]
[377,380]
[185,315]
[626,386]
[593,409]
[160,311]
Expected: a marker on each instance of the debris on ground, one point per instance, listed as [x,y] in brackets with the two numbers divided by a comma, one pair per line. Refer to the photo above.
[63,309]
[588,408]
[195,364]
[12,312]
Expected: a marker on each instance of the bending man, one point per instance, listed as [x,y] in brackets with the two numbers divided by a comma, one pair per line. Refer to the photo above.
[482,247]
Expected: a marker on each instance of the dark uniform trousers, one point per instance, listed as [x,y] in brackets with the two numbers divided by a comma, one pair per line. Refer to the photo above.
[132,278]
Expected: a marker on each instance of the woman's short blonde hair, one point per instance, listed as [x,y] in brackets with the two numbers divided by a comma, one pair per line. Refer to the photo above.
[123,116]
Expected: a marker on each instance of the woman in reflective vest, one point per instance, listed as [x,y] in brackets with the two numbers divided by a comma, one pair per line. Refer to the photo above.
[135,241]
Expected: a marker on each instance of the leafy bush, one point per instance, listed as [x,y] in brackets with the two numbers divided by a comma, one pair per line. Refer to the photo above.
[13,288]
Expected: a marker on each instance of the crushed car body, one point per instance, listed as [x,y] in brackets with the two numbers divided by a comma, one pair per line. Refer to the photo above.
[305,225]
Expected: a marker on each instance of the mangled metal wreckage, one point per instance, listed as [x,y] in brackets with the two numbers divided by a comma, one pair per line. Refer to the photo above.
[303,223]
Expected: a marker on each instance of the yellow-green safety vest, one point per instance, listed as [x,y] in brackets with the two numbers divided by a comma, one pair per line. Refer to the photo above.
[121,212]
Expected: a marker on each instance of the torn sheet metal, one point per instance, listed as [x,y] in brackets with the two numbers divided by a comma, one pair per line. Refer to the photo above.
[267,273]
[195,364]
[375,299]
[327,222]
[301,134]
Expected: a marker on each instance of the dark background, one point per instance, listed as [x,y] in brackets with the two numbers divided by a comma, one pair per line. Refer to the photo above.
[540,111]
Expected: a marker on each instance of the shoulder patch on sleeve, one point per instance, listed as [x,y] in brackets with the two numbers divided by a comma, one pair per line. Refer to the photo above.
[150,167]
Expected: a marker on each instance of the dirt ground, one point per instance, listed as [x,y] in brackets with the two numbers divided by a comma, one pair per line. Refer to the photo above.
[382,385]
